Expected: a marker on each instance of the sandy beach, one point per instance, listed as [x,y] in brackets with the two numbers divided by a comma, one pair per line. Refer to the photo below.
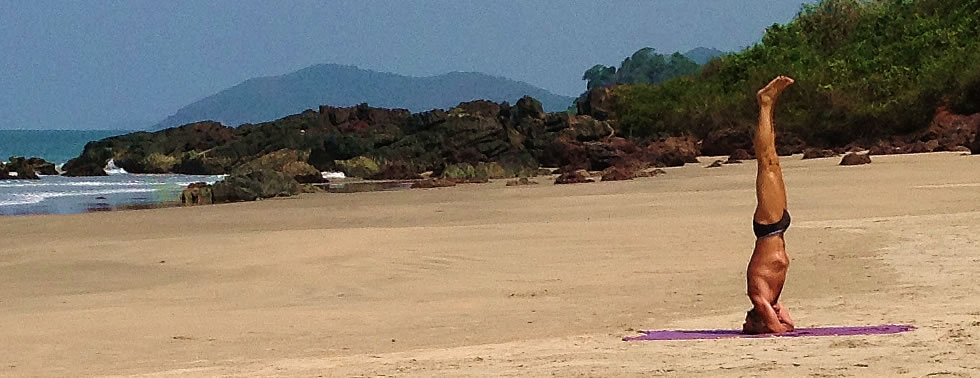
[489,280]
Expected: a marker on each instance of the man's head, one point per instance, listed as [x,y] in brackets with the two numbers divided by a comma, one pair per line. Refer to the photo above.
[753,323]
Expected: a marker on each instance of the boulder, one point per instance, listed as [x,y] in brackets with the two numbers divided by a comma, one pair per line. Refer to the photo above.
[788,144]
[716,164]
[197,193]
[396,171]
[290,162]
[923,147]
[482,108]
[584,128]
[852,147]
[83,170]
[724,142]
[738,155]
[650,172]
[950,129]
[28,169]
[602,155]
[617,174]
[255,184]
[598,103]
[855,159]
[528,107]
[567,155]
[673,152]
[890,147]
[574,177]
[361,166]
[43,167]
[817,153]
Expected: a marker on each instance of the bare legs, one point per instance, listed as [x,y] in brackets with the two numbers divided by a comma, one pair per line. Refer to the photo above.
[769,188]
[766,272]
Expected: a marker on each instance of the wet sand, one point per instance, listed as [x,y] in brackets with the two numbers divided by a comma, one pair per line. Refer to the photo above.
[488,280]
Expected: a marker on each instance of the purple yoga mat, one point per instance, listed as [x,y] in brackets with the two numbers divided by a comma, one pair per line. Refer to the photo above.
[728,333]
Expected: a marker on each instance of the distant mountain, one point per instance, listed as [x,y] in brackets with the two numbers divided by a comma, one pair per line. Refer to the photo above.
[702,55]
[269,98]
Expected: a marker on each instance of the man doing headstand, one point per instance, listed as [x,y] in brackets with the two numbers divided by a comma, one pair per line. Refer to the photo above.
[766,272]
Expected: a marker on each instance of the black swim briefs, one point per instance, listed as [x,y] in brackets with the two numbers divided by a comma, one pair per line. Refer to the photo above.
[763,230]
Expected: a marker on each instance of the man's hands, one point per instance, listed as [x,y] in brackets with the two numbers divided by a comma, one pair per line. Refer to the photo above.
[770,319]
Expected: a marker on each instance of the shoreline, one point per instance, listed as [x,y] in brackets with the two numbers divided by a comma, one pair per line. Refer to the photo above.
[360,185]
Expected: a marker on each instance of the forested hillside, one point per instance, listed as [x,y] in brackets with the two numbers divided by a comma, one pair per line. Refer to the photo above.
[863,70]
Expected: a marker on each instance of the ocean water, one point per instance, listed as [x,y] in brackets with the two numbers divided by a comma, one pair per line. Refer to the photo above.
[56,146]
[66,195]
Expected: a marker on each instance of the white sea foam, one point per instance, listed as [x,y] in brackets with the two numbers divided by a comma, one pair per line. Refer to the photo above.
[21,199]
[333,175]
[32,198]
[112,169]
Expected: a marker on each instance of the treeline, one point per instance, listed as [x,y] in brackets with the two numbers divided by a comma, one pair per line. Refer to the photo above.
[645,66]
[863,70]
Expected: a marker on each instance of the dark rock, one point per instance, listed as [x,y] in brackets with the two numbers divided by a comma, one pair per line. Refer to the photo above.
[528,107]
[42,167]
[788,144]
[27,169]
[82,169]
[310,178]
[855,159]
[574,177]
[716,164]
[852,147]
[950,129]
[569,156]
[923,147]
[198,193]
[738,155]
[724,142]
[598,103]
[481,107]
[255,184]
[816,153]
[617,174]
[673,152]
[396,171]
[602,155]
[650,172]
[361,166]
[584,128]
[892,147]
[291,162]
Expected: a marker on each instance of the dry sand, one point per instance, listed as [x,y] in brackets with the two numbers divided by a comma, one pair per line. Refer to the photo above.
[488,280]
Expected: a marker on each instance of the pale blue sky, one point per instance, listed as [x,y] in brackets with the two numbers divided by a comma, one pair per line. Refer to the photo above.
[104,64]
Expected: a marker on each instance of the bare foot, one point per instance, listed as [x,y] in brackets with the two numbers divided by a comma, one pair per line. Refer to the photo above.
[767,96]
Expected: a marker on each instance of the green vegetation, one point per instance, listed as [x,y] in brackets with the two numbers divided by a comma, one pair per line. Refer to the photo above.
[645,66]
[863,70]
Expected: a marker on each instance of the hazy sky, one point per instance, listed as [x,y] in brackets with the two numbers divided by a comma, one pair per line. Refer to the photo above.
[106,64]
